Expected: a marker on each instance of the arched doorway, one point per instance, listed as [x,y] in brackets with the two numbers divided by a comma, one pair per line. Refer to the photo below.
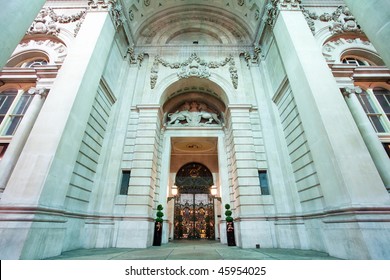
[194,207]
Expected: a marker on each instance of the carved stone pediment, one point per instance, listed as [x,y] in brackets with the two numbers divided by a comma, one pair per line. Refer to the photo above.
[193,114]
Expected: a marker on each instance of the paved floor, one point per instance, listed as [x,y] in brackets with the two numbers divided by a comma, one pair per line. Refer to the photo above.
[193,250]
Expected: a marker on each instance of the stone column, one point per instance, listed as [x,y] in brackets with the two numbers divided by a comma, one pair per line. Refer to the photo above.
[333,137]
[374,18]
[17,16]
[378,154]
[41,177]
[348,177]
[12,154]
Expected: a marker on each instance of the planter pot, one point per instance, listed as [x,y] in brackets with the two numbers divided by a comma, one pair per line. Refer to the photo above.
[230,234]
[157,234]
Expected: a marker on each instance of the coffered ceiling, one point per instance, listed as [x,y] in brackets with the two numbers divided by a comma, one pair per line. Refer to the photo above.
[203,22]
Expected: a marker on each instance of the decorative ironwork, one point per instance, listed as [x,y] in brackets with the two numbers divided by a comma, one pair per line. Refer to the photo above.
[194,217]
[194,207]
[194,178]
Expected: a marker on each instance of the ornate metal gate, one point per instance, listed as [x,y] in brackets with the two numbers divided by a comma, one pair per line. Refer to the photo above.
[194,208]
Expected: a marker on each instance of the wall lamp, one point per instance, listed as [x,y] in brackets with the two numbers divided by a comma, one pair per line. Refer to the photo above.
[173,192]
[214,192]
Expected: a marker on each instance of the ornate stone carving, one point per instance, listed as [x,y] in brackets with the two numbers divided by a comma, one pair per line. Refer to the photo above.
[341,20]
[133,59]
[193,67]
[147,2]
[310,18]
[240,2]
[274,6]
[193,113]
[99,4]
[65,18]
[43,25]
[116,14]
[47,22]
[253,58]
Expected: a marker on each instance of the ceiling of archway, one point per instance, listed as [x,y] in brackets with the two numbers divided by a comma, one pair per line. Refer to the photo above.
[202,22]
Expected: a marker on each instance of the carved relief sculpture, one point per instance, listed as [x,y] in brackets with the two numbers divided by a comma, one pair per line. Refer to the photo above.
[47,22]
[193,113]
[341,20]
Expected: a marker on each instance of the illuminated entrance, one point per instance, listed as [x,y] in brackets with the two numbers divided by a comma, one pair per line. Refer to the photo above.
[194,207]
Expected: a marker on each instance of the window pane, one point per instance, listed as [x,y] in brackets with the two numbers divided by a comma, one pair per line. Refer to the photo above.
[263,178]
[375,120]
[12,125]
[383,97]
[125,182]
[23,104]
[5,103]
[366,103]
[37,62]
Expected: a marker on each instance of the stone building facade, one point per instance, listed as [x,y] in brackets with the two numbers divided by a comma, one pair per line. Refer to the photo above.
[279,108]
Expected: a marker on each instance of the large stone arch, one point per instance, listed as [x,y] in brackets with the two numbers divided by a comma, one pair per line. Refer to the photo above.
[216,86]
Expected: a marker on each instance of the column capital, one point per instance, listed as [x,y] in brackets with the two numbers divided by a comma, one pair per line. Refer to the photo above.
[41,91]
[99,5]
[347,91]
[275,6]
[112,6]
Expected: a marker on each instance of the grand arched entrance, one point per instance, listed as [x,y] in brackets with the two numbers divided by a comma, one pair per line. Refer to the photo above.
[194,206]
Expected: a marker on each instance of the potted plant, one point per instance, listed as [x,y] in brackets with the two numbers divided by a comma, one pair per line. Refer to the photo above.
[158,225]
[229,226]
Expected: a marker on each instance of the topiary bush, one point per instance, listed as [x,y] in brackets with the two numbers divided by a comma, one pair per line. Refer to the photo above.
[159,214]
[228,213]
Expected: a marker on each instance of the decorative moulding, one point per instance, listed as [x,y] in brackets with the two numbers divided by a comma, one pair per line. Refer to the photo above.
[194,67]
[48,21]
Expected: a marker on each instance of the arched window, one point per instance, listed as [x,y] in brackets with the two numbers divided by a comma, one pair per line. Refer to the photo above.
[35,62]
[13,106]
[355,61]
